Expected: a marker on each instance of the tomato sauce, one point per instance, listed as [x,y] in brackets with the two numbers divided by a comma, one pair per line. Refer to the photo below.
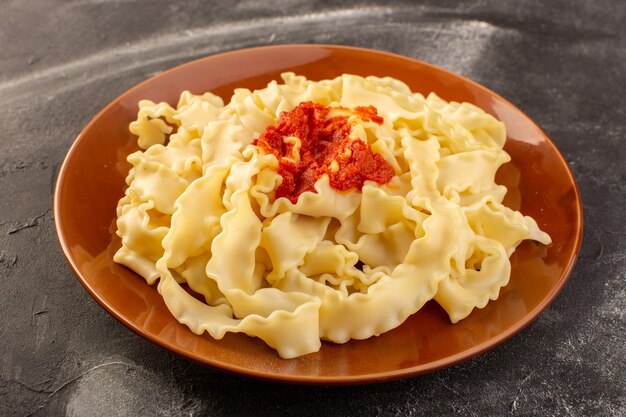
[325,147]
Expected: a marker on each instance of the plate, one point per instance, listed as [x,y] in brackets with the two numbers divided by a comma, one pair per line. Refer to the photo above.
[91,180]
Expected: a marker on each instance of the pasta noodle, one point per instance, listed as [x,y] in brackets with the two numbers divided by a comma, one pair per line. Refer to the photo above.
[205,208]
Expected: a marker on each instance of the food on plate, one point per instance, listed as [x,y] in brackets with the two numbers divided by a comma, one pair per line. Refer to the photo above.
[308,211]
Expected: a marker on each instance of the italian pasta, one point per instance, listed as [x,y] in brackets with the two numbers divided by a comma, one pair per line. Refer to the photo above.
[206,207]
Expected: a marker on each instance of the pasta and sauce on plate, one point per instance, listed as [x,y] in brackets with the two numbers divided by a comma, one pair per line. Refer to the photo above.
[307,211]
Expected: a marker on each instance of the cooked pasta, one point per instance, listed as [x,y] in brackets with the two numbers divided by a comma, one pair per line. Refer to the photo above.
[272,243]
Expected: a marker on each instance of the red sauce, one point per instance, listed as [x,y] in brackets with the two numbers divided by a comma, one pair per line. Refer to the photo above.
[325,148]
[368,113]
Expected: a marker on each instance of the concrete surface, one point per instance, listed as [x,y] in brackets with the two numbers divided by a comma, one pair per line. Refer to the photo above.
[561,62]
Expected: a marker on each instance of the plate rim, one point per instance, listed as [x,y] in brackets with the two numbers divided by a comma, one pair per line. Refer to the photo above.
[375,377]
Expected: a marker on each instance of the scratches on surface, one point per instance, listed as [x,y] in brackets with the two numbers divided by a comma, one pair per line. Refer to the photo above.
[28,223]
[40,322]
[32,389]
[75,379]
[38,307]
[465,41]
[13,166]
[8,261]
[442,382]
[462,408]
[572,31]
[520,392]
[169,47]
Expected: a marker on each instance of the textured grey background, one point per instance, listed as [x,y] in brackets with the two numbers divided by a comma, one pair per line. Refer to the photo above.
[561,62]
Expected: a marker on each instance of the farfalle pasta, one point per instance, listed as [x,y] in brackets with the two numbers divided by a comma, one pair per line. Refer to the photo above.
[296,235]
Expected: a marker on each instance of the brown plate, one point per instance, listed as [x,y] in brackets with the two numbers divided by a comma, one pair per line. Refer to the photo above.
[540,183]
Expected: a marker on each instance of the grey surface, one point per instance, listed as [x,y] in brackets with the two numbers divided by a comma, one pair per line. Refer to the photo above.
[563,63]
